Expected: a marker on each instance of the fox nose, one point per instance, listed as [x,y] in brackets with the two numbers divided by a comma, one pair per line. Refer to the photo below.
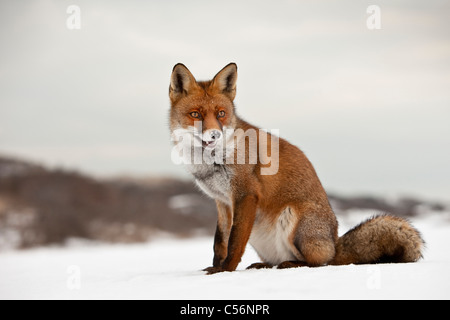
[215,135]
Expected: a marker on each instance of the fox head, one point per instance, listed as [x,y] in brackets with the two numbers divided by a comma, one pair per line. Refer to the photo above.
[204,108]
[205,128]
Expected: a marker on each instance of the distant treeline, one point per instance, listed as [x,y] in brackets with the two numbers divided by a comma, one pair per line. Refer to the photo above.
[39,206]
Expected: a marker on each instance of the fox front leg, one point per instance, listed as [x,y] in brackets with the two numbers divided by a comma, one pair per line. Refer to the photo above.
[223,229]
[243,219]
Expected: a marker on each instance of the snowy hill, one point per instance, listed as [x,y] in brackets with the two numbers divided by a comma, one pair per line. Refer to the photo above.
[169,269]
[41,206]
[155,256]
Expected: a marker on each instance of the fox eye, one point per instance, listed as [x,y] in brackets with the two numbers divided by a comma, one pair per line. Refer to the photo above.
[195,114]
[221,114]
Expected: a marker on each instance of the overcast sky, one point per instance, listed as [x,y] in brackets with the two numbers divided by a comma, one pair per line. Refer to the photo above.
[370,108]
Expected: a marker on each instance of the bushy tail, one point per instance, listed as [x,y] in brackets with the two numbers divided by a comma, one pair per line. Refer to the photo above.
[381,239]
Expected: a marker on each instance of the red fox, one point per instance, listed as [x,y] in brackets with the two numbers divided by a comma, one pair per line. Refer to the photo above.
[273,200]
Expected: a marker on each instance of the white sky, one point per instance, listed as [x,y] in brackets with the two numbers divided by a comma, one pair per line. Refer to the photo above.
[370,108]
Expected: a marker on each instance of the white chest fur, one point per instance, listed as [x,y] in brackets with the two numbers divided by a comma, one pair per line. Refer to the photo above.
[214,180]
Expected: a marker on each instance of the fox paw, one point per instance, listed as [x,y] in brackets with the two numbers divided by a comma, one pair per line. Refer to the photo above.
[212,270]
[259,265]
[291,264]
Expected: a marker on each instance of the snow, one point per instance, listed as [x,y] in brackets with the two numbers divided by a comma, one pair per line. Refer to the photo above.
[170,269]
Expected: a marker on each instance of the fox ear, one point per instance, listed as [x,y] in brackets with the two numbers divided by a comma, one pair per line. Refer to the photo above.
[181,82]
[225,80]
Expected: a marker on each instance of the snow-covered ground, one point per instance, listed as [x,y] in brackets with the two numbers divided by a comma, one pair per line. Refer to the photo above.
[169,269]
